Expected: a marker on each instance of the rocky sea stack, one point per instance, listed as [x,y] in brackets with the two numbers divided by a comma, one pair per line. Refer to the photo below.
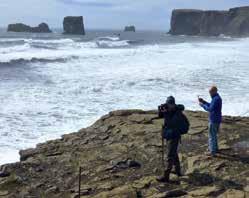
[234,22]
[20,27]
[131,28]
[73,25]
[120,156]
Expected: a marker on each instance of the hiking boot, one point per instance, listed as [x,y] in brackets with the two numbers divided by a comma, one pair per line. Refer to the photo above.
[4,174]
[164,178]
[179,173]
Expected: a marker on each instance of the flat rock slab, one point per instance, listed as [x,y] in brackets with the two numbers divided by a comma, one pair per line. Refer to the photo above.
[121,156]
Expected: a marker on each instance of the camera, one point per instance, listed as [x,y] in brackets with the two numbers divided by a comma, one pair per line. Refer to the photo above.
[200,99]
[163,107]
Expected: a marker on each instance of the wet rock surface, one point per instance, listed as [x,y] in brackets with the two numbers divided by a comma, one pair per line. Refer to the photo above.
[120,156]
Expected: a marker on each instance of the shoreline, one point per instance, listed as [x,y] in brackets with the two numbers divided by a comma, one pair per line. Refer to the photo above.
[65,133]
[51,169]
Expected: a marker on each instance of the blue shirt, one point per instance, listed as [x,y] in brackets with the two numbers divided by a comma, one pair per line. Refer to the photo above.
[214,108]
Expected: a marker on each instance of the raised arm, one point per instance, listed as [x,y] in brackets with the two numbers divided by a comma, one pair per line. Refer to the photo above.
[210,106]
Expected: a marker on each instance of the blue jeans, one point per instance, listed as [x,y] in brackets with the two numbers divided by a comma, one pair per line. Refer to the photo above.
[213,139]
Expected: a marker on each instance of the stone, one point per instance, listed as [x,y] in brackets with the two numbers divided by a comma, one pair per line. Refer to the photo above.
[234,22]
[144,182]
[123,191]
[175,193]
[196,162]
[205,191]
[3,193]
[20,27]
[133,164]
[52,189]
[246,188]
[200,179]
[74,25]
[131,28]
[232,193]
[171,193]
[223,145]
[105,187]
[123,164]
[25,154]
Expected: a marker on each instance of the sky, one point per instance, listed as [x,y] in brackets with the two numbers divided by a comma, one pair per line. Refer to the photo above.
[104,14]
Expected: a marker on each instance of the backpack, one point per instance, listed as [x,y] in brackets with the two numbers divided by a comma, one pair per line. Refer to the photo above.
[184,127]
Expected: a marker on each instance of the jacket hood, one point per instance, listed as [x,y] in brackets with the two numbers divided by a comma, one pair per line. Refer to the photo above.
[180,107]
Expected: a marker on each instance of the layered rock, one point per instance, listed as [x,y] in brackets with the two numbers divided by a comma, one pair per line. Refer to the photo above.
[234,22]
[73,25]
[131,28]
[120,156]
[20,27]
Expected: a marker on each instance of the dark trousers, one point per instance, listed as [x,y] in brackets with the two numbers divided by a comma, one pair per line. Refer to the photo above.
[172,156]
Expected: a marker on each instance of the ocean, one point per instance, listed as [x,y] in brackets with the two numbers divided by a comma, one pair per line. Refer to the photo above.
[52,84]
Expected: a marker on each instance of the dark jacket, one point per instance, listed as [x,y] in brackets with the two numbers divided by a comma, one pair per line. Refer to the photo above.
[173,122]
[214,108]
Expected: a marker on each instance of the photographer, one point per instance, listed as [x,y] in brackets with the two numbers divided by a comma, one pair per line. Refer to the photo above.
[175,125]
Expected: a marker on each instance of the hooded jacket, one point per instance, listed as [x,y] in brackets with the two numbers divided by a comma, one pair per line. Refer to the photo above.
[173,122]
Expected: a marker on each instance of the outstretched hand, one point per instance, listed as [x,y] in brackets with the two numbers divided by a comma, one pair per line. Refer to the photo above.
[201,101]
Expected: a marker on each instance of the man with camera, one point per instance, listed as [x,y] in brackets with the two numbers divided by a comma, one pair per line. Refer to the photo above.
[175,125]
[215,118]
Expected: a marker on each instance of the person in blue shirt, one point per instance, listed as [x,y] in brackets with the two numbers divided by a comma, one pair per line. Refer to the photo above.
[215,118]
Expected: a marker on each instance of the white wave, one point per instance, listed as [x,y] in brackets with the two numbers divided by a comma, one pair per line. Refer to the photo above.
[33,40]
[13,49]
[48,55]
[11,39]
[55,41]
[109,38]
[81,45]
[110,44]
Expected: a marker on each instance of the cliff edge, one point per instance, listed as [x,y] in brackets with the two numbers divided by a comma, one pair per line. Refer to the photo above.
[120,156]
[234,22]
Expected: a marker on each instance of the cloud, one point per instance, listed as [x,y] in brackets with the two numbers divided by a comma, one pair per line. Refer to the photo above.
[145,14]
[88,3]
[115,4]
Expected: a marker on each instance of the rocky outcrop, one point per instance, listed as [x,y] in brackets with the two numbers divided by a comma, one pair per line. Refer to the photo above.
[234,22]
[120,156]
[20,27]
[73,25]
[131,28]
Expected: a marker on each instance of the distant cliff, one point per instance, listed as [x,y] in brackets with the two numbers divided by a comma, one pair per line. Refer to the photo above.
[131,28]
[73,25]
[234,22]
[20,27]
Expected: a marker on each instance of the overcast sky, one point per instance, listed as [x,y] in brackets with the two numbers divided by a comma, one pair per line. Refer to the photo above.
[107,14]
